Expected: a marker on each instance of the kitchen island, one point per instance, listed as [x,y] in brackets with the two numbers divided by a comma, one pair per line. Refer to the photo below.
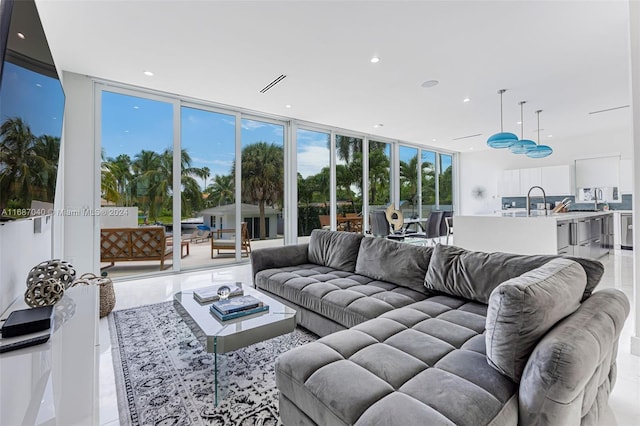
[585,234]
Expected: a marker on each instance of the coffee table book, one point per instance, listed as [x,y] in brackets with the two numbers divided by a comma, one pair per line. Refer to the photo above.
[238,314]
[236,304]
[210,293]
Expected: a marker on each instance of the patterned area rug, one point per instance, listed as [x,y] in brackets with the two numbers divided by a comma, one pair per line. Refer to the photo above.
[164,376]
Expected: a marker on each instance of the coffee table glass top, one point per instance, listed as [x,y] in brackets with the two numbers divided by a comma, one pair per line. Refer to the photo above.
[223,336]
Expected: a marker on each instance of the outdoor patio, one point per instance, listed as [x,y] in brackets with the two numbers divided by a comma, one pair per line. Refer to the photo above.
[199,257]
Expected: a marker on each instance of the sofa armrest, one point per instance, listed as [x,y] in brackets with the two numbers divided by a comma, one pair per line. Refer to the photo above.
[277,257]
[570,373]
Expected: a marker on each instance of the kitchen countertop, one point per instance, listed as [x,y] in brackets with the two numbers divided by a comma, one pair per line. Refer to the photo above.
[536,214]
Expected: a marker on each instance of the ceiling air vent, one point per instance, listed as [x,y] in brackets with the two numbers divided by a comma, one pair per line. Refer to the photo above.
[467,137]
[273,83]
[609,109]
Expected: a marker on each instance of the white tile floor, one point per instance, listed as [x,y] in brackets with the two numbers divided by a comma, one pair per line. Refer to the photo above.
[625,399]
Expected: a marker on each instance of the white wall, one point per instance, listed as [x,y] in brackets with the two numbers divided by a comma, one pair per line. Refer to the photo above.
[118,217]
[80,228]
[483,168]
[20,250]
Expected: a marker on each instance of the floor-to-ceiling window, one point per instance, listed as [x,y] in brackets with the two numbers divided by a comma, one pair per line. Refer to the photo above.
[380,182]
[208,140]
[313,160]
[349,183]
[428,182]
[137,169]
[445,182]
[409,176]
[262,178]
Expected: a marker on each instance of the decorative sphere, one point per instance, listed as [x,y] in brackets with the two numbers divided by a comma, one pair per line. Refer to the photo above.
[58,269]
[44,292]
[223,292]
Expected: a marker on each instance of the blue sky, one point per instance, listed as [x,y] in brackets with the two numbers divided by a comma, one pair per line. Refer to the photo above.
[37,99]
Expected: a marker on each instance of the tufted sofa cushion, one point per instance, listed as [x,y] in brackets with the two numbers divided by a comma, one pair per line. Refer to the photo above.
[345,297]
[421,364]
[337,250]
[522,310]
[393,261]
[474,274]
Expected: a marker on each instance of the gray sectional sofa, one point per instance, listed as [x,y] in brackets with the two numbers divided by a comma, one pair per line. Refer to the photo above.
[439,336]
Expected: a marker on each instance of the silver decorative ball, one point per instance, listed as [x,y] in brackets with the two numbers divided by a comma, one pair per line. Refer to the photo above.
[223,292]
[44,292]
[58,269]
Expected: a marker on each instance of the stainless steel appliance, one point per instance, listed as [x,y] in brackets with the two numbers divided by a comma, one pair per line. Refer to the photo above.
[626,231]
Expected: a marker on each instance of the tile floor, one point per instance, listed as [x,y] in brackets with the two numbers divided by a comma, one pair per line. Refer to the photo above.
[624,401]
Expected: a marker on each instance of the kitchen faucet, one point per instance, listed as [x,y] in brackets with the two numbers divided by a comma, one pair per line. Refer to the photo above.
[544,200]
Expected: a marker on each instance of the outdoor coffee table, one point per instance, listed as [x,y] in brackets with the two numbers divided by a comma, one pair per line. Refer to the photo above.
[219,337]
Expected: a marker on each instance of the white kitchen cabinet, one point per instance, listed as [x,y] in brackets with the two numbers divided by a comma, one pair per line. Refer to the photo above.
[558,180]
[510,183]
[626,176]
[528,178]
[600,172]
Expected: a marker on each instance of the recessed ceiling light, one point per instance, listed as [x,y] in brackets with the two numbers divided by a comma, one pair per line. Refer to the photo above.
[126,131]
[549,136]
[434,139]
[375,60]
[287,106]
[148,73]
[466,100]
[471,149]
[21,36]
[378,125]
[430,83]
[136,107]
[518,122]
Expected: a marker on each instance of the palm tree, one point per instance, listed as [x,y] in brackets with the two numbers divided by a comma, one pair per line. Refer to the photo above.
[262,177]
[379,179]
[222,191]
[205,173]
[146,167]
[19,162]
[409,180]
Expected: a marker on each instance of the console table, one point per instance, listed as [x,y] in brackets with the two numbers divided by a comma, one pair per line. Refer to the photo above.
[55,383]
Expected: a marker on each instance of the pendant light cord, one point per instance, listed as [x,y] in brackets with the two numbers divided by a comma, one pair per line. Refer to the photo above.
[538,114]
[522,119]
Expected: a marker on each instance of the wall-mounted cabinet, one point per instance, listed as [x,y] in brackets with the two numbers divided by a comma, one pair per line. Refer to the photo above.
[626,176]
[600,172]
[556,180]
[509,185]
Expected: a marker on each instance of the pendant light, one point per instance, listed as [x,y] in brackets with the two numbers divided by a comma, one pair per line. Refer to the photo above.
[539,151]
[523,145]
[502,139]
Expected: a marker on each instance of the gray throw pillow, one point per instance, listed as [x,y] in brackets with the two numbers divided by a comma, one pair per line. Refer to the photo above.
[337,250]
[523,309]
[473,274]
[398,263]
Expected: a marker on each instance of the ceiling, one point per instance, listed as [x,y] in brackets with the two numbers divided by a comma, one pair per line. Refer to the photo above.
[567,58]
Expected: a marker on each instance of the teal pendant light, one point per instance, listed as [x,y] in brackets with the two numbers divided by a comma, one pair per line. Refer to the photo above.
[539,151]
[502,139]
[523,145]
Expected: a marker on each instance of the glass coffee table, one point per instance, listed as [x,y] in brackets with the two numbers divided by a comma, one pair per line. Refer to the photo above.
[219,337]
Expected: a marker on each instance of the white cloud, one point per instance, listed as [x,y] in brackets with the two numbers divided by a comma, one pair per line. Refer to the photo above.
[311,159]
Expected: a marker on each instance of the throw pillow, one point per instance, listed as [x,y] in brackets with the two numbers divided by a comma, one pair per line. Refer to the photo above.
[337,250]
[523,309]
[473,275]
[396,262]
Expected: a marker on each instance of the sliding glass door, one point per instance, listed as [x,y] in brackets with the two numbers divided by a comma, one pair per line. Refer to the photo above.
[208,139]
[136,178]
[262,180]
[314,180]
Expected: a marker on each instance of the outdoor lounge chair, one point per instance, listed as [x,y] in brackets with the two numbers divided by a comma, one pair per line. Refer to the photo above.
[197,236]
[219,242]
